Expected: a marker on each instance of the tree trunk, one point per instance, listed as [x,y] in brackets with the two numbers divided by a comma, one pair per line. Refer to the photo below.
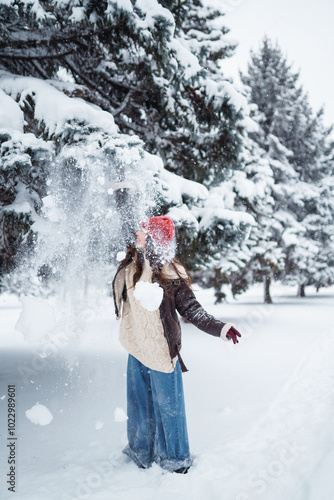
[301,291]
[267,297]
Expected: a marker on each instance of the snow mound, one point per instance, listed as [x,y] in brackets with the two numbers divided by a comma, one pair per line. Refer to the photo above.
[149,295]
[295,436]
[39,415]
[36,320]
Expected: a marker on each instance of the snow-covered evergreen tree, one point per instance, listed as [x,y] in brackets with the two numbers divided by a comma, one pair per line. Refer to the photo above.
[300,155]
[24,163]
[154,67]
[68,176]
[258,258]
[90,182]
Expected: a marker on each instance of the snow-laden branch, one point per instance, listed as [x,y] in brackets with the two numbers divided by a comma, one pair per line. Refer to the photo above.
[53,107]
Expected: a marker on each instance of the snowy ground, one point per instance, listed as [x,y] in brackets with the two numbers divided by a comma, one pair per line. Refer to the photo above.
[260,415]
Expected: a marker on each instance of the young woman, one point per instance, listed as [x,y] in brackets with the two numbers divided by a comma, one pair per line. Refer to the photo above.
[157,429]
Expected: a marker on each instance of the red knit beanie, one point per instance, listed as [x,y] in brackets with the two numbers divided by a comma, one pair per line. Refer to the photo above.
[161,229]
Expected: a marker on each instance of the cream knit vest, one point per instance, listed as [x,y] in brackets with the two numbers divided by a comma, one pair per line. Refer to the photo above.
[141,331]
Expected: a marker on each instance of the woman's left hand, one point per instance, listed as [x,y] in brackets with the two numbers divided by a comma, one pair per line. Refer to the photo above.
[233,334]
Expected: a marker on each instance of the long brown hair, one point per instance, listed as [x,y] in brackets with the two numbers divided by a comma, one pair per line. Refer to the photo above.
[156,264]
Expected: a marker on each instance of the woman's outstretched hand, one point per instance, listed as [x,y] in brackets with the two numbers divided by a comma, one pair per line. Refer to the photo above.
[233,334]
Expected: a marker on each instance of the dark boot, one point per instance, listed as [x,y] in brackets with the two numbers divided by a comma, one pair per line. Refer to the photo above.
[182,470]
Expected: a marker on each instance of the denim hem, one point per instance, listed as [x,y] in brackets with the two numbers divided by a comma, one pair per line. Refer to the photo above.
[140,463]
[172,464]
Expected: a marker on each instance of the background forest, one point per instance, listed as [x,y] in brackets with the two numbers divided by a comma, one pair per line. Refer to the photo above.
[111,111]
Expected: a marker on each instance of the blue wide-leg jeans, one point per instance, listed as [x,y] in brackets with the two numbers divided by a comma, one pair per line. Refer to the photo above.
[157,428]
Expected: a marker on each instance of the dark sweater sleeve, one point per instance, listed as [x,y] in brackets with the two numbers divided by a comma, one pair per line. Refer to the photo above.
[189,308]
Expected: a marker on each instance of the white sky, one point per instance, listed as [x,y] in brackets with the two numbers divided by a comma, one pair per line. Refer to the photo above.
[304,30]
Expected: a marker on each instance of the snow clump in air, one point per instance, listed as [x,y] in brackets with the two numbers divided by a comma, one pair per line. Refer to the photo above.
[39,415]
[149,295]
[120,256]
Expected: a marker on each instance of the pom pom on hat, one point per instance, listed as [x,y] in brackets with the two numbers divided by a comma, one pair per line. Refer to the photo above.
[161,229]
